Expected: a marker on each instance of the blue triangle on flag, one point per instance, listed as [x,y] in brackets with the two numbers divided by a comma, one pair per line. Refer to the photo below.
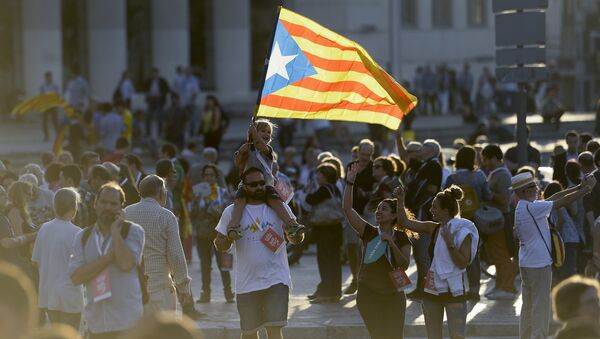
[297,69]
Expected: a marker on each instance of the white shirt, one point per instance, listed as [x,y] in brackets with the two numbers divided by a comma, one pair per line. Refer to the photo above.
[533,251]
[257,267]
[52,249]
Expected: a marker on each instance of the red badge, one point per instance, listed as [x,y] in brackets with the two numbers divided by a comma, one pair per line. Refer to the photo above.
[399,278]
[430,284]
[272,240]
[101,288]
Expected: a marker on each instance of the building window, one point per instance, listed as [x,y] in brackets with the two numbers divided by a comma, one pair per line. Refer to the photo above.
[139,41]
[74,38]
[410,13]
[262,19]
[202,56]
[476,13]
[441,13]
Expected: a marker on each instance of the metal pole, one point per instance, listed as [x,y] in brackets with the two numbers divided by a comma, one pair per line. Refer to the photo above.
[522,139]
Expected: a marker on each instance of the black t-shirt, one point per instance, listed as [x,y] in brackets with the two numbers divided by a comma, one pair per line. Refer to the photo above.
[417,194]
[364,181]
[376,274]
[322,194]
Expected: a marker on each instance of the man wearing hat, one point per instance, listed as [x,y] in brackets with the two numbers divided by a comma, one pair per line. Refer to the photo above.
[535,260]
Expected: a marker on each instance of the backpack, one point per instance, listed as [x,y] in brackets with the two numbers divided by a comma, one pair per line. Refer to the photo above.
[143,278]
[469,203]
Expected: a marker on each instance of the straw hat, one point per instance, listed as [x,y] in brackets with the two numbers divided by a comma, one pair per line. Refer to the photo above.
[521,180]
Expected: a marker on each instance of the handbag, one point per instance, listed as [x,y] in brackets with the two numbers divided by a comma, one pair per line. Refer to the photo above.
[327,212]
[558,246]
[489,220]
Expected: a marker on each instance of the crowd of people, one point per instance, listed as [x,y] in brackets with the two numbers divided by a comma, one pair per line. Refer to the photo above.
[178,112]
[127,236]
[444,90]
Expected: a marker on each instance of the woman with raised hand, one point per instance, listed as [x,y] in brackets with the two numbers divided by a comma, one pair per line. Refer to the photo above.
[381,279]
[453,247]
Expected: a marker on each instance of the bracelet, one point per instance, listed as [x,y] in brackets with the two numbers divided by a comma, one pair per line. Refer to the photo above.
[348,183]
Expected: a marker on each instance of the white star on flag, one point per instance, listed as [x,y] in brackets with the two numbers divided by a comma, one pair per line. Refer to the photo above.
[277,63]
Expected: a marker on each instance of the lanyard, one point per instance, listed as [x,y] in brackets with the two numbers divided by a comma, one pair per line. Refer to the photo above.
[105,243]
[388,250]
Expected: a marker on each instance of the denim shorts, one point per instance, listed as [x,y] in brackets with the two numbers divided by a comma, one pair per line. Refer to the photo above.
[264,308]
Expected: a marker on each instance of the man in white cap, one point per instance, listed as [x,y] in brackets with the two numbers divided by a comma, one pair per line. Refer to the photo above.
[535,259]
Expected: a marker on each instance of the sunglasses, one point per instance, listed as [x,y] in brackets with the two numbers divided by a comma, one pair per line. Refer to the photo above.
[255,183]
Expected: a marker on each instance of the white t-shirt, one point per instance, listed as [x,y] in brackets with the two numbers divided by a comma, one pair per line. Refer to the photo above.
[52,249]
[533,251]
[257,267]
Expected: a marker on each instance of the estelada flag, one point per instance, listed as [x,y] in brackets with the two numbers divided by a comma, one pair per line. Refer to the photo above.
[315,73]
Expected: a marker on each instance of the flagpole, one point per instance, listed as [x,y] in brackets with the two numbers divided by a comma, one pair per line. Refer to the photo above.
[266,65]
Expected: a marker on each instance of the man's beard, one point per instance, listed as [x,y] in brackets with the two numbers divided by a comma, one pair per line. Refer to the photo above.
[258,194]
[106,218]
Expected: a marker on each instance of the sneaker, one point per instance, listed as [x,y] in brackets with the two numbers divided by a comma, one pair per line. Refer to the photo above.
[234,233]
[312,296]
[501,295]
[351,289]
[204,298]
[229,296]
[295,229]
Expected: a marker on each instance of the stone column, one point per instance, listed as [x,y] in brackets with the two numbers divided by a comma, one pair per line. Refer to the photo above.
[107,31]
[170,36]
[232,50]
[42,43]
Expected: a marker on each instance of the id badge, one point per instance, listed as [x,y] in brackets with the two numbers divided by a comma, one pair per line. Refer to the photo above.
[430,284]
[272,240]
[400,280]
[101,288]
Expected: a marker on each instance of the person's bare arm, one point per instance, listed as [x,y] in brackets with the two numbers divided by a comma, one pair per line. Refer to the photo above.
[89,271]
[563,199]
[258,142]
[401,148]
[405,221]
[354,219]
[461,256]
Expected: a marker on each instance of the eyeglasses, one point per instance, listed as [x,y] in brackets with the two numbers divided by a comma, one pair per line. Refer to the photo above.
[377,166]
[255,183]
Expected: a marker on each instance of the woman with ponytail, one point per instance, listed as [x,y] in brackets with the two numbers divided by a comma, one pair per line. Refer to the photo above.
[453,247]
[381,279]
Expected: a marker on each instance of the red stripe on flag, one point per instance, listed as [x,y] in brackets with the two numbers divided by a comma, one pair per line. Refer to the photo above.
[340,86]
[306,33]
[309,106]
[334,65]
